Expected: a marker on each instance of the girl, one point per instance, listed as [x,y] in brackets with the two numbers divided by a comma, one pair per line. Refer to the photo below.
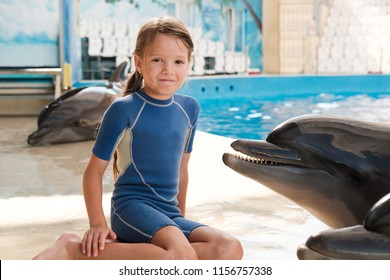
[149,132]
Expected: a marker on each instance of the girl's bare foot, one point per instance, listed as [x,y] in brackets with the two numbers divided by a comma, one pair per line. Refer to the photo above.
[58,251]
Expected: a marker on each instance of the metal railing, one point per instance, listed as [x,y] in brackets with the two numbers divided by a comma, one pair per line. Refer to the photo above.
[56,74]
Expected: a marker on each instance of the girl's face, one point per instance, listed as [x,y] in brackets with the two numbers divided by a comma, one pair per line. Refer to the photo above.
[164,66]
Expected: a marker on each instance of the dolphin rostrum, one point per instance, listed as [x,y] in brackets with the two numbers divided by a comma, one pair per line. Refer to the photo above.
[335,168]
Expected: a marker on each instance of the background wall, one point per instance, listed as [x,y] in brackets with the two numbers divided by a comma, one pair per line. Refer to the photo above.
[208,15]
[30,30]
[29,33]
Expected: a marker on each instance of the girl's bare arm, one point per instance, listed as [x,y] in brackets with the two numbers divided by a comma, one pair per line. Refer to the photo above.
[183,184]
[94,238]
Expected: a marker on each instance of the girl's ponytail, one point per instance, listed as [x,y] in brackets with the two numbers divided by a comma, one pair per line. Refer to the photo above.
[133,83]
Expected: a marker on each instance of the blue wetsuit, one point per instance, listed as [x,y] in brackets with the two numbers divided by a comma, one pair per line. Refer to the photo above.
[150,137]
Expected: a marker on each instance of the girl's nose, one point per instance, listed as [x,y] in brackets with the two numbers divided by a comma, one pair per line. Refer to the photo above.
[167,68]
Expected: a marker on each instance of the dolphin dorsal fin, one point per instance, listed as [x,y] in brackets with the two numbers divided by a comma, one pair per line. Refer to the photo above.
[118,74]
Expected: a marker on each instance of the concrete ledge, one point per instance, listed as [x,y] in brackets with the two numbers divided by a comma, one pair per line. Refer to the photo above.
[23,105]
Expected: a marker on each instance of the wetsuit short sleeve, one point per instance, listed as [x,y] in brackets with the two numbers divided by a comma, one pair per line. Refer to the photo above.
[192,108]
[113,124]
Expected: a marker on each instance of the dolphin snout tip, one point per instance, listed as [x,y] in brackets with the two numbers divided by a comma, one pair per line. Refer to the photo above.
[225,158]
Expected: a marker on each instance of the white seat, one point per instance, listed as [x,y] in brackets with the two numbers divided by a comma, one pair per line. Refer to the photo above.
[197,33]
[107,28]
[199,63]
[211,48]
[323,52]
[219,63]
[321,65]
[120,29]
[350,52]
[220,48]
[229,62]
[359,66]
[133,30]
[332,65]
[373,65]
[201,48]
[109,46]
[239,63]
[337,52]
[339,40]
[346,65]
[93,28]
[124,46]
[374,51]
[95,45]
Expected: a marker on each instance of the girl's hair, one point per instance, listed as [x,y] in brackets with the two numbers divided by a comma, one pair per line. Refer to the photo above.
[146,35]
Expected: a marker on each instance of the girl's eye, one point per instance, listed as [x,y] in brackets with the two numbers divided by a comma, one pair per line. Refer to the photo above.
[157,59]
[179,62]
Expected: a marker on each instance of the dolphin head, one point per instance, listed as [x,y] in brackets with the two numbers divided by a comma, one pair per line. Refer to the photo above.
[335,168]
[76,114]
[74,118]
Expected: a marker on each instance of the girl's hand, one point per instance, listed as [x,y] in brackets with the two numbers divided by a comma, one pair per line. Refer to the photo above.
[94,240]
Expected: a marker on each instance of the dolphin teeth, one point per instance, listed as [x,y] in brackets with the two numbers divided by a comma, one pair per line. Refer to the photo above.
[251,159]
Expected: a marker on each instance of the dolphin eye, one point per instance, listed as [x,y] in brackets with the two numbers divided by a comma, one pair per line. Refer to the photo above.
[358,178]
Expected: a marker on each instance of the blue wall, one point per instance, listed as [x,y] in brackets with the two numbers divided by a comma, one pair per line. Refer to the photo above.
[274,86]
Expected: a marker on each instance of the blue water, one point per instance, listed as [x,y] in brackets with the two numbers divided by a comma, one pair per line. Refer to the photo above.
[254,116]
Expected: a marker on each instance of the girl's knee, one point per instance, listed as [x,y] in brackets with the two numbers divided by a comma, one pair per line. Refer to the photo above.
[228,248]
[60,250]
[174,243]
[182,253]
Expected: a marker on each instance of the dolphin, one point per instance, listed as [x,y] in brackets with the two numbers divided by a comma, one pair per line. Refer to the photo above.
[334,167]
[76,114]
[371,240]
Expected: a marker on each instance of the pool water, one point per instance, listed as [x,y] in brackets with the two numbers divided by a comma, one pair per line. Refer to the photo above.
[254,117]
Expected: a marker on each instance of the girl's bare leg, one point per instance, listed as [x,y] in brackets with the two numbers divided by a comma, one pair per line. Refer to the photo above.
[212,244]
[167,243]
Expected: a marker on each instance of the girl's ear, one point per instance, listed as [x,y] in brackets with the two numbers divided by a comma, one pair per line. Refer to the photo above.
[138,64]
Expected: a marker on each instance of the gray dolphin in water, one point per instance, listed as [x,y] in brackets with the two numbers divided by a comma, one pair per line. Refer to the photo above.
[335,168]
[76,114]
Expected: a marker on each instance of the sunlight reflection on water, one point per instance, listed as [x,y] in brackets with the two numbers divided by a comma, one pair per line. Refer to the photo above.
[254,118]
